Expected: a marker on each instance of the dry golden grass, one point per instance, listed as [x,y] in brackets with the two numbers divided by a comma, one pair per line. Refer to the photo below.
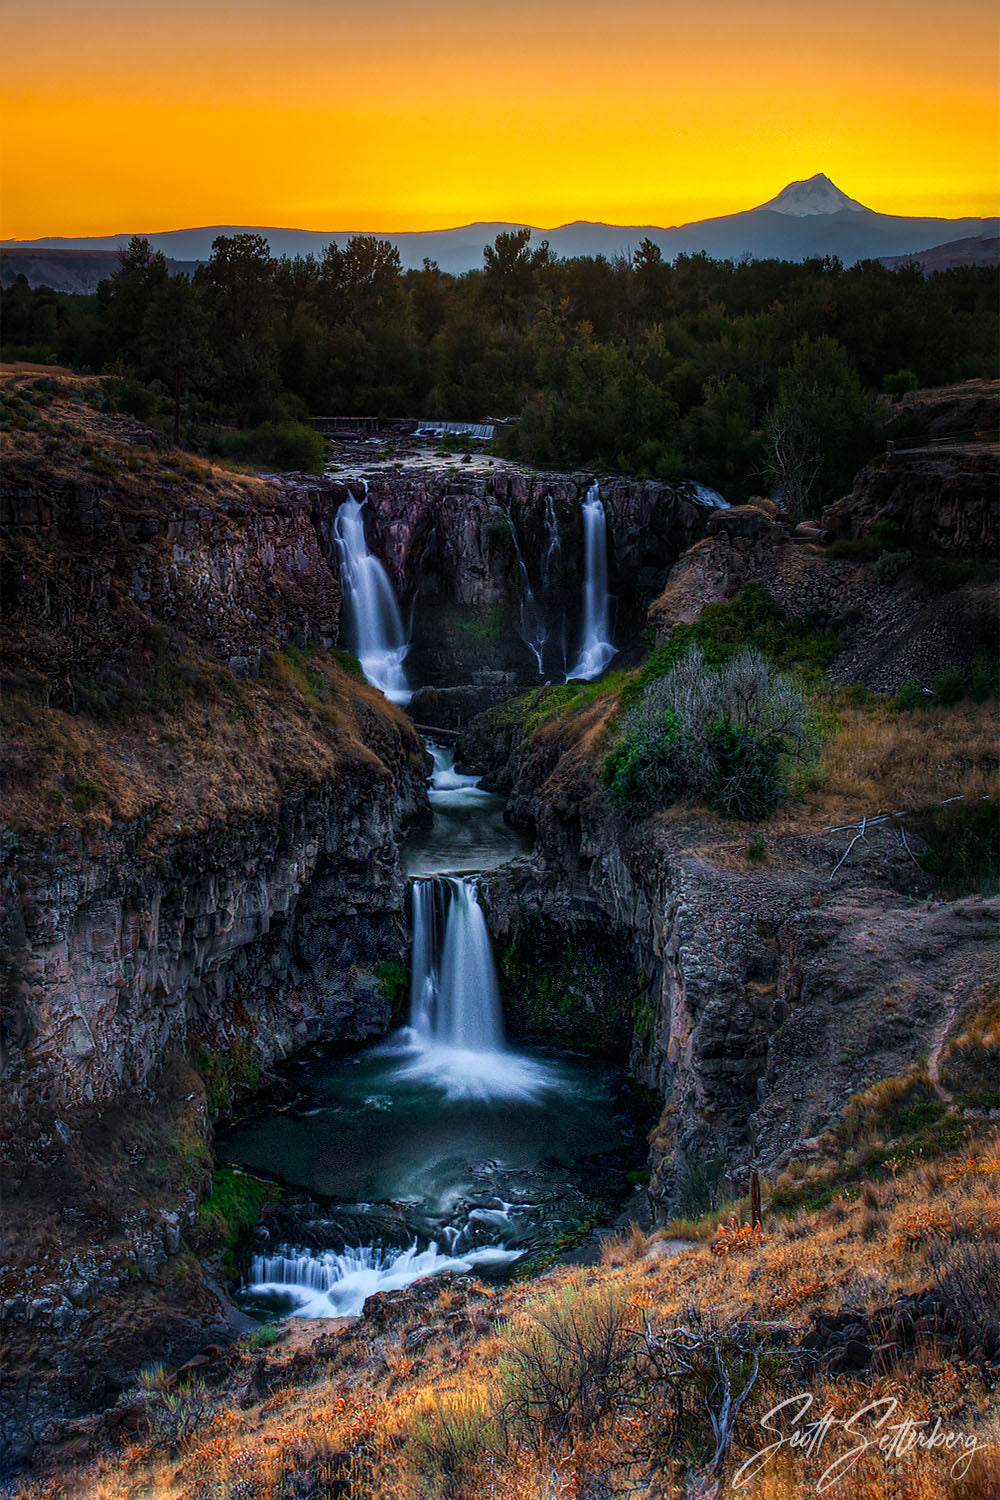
[623,1250]
[20,369]
[877,762]
[886,762]
[206,759]
[363,1414]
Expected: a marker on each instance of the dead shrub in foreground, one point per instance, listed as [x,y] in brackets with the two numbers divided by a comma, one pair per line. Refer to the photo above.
[173,1411]
[967,1273]
[569,1364]
[699,1369]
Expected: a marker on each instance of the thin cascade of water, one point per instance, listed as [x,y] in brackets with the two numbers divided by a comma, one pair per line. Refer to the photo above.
[444,778]
[596,649]
[552,568]
[553,543]
[533,632]
[379,639]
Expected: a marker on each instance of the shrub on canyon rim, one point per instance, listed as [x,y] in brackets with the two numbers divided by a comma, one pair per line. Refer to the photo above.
[725,734]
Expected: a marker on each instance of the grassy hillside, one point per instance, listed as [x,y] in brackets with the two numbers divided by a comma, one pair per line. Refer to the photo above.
[604,1381]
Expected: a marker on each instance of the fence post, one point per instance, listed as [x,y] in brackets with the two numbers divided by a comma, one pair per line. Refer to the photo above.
[754,1198]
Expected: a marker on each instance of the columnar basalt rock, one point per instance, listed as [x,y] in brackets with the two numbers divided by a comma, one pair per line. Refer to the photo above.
[95,569]
[265,931]
[443,531]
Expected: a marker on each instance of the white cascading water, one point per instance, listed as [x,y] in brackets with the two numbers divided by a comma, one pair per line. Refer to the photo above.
[553,542]
[533,632]
[454,996]
[380,641]
[596,650]
[335,1285]
[454,1043]
[483,432]
[445,781]
[707,496]
[455,1038]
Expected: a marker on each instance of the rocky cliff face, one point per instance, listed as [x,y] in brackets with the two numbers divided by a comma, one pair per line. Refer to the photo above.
[197,820]
[892,627]
[203,808]
[948,496]
[100,566]
[267,931]
[488,561]
[771,993]
[443,531]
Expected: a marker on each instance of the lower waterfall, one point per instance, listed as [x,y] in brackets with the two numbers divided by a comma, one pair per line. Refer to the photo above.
[456,1019]
[333,1284]
[442,1149]
[454,999]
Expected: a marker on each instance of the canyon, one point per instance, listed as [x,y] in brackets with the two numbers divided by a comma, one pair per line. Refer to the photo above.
[207,804]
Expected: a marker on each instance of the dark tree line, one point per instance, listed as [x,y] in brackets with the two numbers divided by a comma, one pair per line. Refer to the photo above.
[739,374]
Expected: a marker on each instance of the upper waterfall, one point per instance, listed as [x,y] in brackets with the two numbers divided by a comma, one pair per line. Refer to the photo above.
[379,637]
[596,649]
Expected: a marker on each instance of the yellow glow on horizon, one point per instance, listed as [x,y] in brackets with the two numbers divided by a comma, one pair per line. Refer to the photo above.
[319,116]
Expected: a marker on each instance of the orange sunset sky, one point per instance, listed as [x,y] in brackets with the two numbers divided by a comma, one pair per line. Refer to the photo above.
[393,115]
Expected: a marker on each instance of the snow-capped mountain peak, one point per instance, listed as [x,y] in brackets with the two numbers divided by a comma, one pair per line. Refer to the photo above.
[816,195]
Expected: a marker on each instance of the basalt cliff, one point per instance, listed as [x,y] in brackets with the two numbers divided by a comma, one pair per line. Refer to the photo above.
[200,870]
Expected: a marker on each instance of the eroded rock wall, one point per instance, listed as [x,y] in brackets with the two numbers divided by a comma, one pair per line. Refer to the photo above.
[199,873]
[228,858]
[773,992]
[949,496]
[891,628]
[485,562]
[265,931]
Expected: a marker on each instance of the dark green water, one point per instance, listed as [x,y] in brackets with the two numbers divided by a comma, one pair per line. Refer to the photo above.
[376,1129]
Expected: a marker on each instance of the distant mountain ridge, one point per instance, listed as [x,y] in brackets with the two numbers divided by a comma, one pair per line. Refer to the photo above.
[982,250]
[809,218]
[70,270]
